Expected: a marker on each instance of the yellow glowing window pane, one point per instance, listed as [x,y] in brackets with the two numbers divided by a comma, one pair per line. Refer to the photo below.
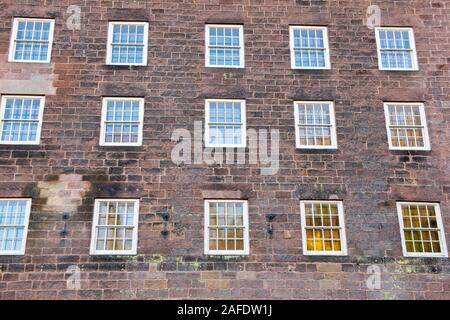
[319,245]
[427,247]
[328,245]
[310,245]
[239,244]
[318,234]
[337,245]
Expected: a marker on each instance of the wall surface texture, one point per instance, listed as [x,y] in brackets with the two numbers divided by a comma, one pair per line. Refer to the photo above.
[68,170]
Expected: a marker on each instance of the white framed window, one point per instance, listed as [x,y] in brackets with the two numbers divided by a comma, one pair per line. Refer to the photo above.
[225,123]
[21,119]
[14,219]
[31,40]
[396,49]
[224,46]
[315,125]
[115,227]
[226,227]
[127,43]
[406,126]
[122,122]
[323,228]
[309,47]
[422,230]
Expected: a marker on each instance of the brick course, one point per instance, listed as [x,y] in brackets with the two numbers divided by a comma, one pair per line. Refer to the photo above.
[68,170]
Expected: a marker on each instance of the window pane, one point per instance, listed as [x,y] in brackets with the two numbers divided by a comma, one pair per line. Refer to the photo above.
[20,120]
[32,40]
[224,46]
[323,227]
[315,127]
[225,123]
[226,227]
[396,50]
[420,229]
[115,225]
[406,126]
[12,224]
[122,123]
[128,44]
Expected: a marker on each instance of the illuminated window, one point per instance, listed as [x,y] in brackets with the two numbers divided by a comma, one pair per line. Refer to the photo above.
[396,49]
[406,126]
[226,227]
[14,216]
[315,125]
[309,48]
[421,230]
[224,46]
[31,40]
[127,43]
[122,121]
[21,119]
[323,228]
[225,123]
[115,226]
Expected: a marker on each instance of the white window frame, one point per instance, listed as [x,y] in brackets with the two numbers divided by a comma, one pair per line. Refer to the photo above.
[12,45]
[110,38]
[443,243]
[246,250]
[41,115]
[415,64]
[103,123]
[241,48]
[243,143]
[21,251]
[133,251]
[340,206]
[334,144]
[423,118]
[325,40]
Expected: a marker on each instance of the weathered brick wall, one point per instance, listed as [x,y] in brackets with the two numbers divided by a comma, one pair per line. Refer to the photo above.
[69,169]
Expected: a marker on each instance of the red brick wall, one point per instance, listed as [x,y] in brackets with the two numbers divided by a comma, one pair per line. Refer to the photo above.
[69,169]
